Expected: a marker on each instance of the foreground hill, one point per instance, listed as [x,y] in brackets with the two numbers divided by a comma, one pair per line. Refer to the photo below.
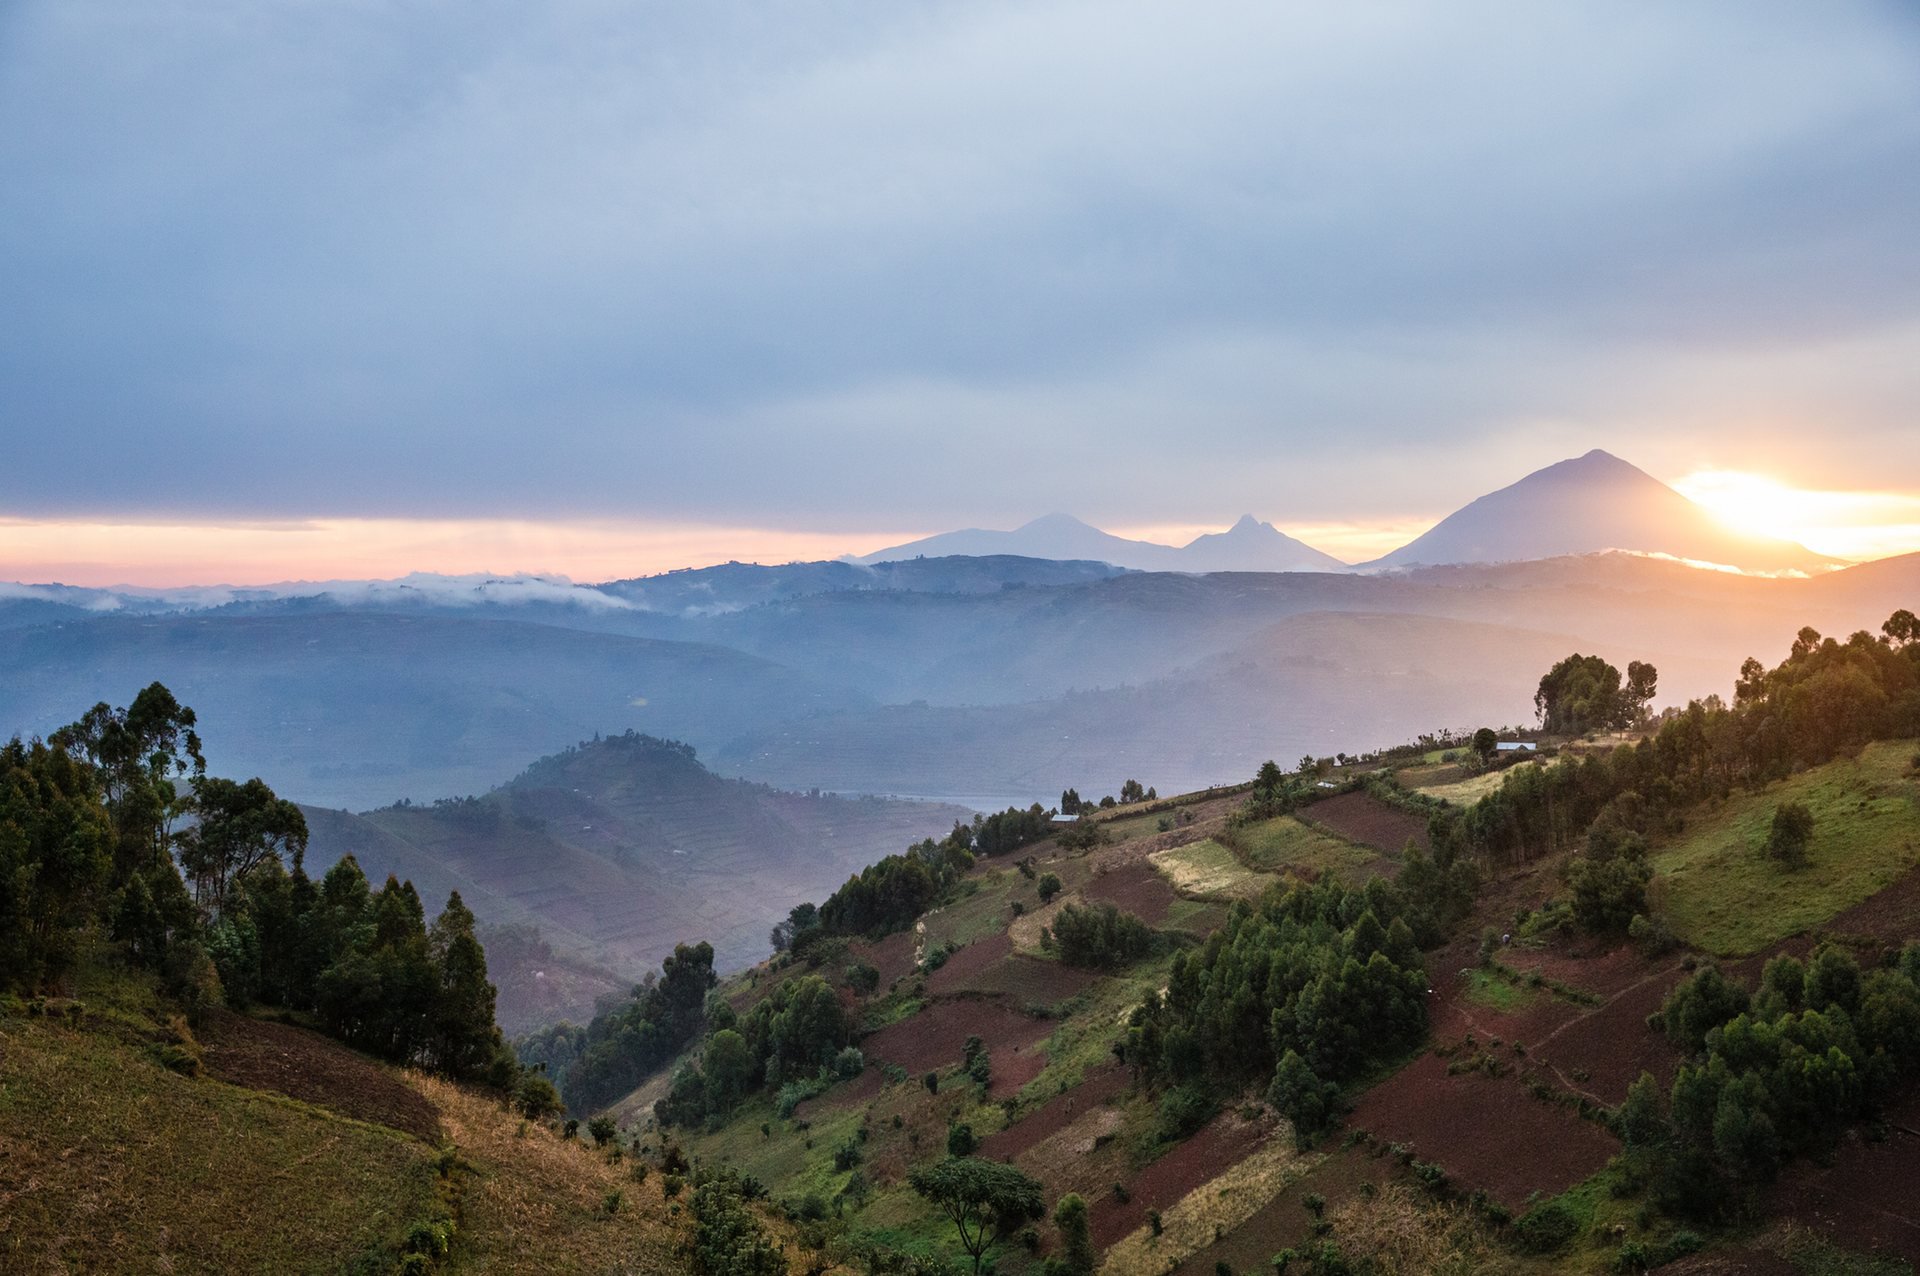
[132,1142]
[616,850]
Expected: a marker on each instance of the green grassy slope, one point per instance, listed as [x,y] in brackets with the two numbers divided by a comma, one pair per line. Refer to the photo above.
[1720,892]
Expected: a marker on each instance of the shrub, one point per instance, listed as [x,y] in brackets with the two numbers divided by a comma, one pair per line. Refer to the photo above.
[1049,886]
[1547,1228]
[1790,834]
[849,1063]
[1183,1110]
[603,1130]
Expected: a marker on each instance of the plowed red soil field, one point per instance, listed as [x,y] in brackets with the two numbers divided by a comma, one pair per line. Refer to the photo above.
[1135,888]
[1200,1159]
[1485,1132]
[960,970]
[1361,818]
[892,956]
[937,1038]
[307,1066]
[1028,981]
[1057,1113]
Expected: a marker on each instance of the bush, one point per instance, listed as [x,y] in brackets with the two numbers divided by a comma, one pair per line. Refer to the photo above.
[603,1130]
[1547,1228]
[1048,886]
[1791,834]
[849,1063]
[1183,1110]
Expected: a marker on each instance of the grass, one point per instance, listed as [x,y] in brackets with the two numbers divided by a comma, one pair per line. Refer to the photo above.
[1273,845]
[108,1161]
[1487,989]
[983,908]
[1720,892]
[1470,790]
[1085,1037]
[538,1203]
[1208,869]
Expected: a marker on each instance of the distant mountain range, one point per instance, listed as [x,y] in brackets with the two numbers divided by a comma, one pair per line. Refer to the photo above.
[1588,505]
[1592,503]
[1248,546]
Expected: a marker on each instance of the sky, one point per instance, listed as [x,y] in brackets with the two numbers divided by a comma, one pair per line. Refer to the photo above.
[355,288]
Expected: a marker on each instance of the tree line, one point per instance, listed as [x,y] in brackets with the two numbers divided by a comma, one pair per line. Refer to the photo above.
[1770,1075]
[114,838]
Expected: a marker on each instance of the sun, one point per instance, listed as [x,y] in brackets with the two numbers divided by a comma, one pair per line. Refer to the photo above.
[1750,503]
[1840,524]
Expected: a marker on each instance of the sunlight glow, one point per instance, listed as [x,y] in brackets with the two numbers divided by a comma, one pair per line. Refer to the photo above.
[1850,525]
[159,555]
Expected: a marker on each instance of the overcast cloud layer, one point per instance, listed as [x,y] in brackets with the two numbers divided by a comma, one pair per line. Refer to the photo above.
[814,264]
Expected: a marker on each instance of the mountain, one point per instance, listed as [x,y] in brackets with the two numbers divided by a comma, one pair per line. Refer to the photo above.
[1248,546]
[617,849]
[1586,505]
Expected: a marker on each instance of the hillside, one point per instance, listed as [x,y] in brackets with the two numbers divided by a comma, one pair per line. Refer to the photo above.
[1582,506]
[614,851]
[131,1142]
[1133,1057]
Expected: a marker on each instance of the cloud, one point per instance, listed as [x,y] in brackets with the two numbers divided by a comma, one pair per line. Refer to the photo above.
[937,263]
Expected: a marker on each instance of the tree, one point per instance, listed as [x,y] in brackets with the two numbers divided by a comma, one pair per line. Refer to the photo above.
[239,826]
[1485,744]
[1076,1257]
[1642,678]
[1581,694]
[1049,885]
[1070,802]
[986,1201]
[1132,791]
[1902,628]
[463,1038]
[1791,834]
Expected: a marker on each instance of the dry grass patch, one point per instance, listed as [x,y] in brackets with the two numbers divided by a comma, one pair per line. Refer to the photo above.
[1399,1232]
[1208,869]
[539,1203]
[1212,1210]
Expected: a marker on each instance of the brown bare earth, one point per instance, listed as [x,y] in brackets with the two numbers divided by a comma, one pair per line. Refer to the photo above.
[1200,1159]
[1024,980]
[960,970]
[1866,1200]
[1485,1132]
[1361,818]
[1892,915]
[892,956]
[1098,1086]
[1134,888]
[937,1037]
[306,1066]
